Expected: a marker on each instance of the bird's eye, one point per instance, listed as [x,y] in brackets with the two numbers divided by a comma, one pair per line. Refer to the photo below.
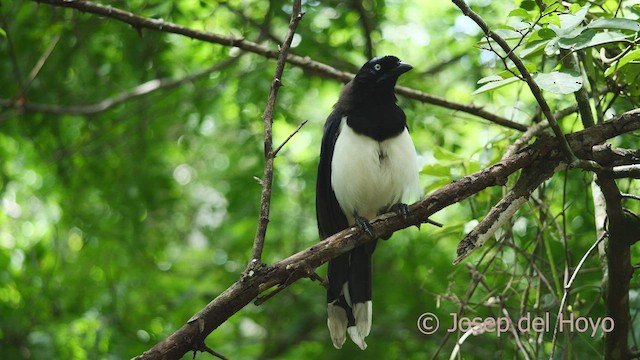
[377,67]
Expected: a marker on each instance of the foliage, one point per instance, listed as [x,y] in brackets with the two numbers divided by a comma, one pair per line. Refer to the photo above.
[117,225]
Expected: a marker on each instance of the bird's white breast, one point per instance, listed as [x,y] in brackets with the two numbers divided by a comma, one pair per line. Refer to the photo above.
[368,176]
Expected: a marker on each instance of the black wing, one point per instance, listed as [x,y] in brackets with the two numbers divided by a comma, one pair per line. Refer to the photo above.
[330,217]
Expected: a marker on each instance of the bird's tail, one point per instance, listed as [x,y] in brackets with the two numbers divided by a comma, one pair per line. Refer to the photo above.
[349,296]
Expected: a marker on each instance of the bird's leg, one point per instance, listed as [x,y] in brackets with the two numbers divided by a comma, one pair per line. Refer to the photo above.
[363,223]
[401,209]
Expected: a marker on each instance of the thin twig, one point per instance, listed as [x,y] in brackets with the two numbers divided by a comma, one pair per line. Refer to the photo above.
[277,150]
[205,348]
[269,154]
[39,64]
[567,287]
[367,26]
[516,336]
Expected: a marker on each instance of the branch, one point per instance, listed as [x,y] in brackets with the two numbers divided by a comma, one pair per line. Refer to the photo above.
[108,103]
[532,176]
[618,252]
[311,66]
[606,155]
[624,172]
[526,76]
[269,154]
[567,288]
[367,26]
[299,265]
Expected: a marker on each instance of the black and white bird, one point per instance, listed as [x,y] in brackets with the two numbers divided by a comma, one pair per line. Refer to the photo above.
[367,167]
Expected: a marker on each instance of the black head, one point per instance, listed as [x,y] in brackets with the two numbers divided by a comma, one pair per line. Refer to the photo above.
[374,83]
[382,71]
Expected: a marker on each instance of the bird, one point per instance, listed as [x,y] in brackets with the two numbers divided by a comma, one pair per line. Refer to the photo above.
[367,167]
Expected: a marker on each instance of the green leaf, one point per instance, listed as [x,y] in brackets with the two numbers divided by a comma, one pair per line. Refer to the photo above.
[495,85]
[521,13]
[490,78]
[591,38]
[631,56]
[619,24]
[3,33]
[438,169]
[559,82]
[550,3]
[550,19]
[528,5]
[507,34]
[545,33]
[569,22]
[552,47]
[533,48]
[443,154]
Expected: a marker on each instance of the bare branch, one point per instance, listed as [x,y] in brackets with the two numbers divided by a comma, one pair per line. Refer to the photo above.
[108,103]
[567,288]
[582,96]
[314,67]
[269,154]
[277,150]
[532,176]
[367,26]
[606,155]
[40,63]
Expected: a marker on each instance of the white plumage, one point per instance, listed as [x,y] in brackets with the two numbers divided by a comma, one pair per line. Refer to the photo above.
[369,176]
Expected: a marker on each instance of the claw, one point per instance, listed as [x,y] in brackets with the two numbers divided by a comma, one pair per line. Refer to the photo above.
[401,209]
[364,224]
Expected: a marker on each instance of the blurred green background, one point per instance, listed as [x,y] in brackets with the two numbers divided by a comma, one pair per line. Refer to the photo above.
[117,225]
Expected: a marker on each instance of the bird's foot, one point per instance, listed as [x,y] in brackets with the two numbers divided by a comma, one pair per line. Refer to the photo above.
[364,224]
[401,209]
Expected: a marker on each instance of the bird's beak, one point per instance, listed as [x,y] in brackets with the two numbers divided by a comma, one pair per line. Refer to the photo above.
[401,68]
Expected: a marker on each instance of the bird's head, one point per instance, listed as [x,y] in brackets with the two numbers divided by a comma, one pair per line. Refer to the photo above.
[373,84]
[382,71]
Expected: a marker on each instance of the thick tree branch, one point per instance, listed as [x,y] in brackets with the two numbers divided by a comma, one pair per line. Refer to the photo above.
[618,252]
[606,155]
[300,265]
[269,153]
[315,67]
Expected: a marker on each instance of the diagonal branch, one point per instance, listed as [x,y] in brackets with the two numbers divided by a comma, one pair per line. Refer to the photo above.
[113,101]
[287,271]
[309,65]
[532,176]
[526,76]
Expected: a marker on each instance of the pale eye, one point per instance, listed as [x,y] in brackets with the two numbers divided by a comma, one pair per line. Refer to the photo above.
[377,67]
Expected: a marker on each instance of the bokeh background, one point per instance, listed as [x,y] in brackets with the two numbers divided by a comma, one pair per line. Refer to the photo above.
[120,221]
